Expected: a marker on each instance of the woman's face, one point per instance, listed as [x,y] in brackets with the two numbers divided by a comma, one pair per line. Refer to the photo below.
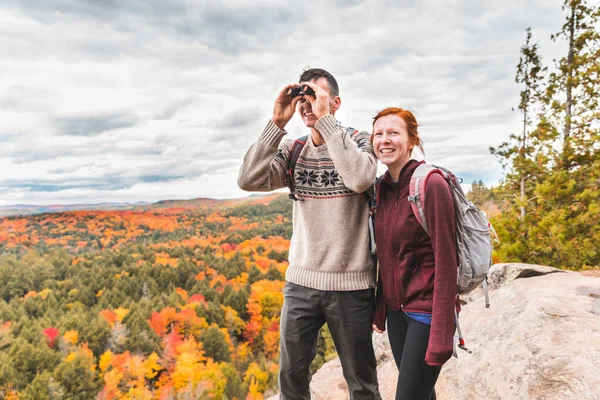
[391,142]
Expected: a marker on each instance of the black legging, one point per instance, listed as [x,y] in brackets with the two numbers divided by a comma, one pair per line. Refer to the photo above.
[409,339]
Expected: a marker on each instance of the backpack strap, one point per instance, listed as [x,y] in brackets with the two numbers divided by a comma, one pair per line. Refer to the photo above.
[289,175]
[376,194]
[486,294]
[349,132]
[372,208]
[461,341]
[372,201]
[417,191]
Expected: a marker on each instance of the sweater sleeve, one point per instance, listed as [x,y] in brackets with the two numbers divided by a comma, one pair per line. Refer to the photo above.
[352,156]
[439,209]
[264,165]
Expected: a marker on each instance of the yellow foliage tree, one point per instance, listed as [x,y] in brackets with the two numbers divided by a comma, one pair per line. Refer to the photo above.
[71,337]
[260,377]
[121,313]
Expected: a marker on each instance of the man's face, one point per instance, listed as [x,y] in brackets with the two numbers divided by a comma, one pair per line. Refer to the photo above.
[304,107]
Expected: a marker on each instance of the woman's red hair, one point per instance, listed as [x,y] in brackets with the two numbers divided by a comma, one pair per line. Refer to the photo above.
[410,120]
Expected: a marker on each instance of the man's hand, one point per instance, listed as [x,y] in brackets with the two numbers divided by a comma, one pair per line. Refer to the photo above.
[376,329]
[284,107]
[319,102]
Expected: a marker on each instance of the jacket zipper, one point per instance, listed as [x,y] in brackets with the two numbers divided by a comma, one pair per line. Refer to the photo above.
[416,267]
[395,270]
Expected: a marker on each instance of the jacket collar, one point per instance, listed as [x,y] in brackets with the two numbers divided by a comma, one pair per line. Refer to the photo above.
[405,173]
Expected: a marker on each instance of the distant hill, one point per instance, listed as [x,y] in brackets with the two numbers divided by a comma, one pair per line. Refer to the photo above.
[28,209]
[201,202]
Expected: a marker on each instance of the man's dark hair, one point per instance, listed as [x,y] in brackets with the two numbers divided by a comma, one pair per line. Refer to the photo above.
[312,74]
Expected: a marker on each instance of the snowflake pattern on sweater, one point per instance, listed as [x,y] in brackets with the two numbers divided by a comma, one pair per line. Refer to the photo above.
[317,178]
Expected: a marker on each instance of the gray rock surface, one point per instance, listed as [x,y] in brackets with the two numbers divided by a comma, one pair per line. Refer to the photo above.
[540,339]
[503,274]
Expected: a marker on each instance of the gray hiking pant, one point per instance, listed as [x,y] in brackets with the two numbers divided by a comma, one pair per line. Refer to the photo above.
[348,315]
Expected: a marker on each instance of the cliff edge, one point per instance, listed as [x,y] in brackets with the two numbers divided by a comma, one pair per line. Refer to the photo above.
[540,339]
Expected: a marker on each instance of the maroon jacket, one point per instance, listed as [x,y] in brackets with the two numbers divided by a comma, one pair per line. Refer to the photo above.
[417,272]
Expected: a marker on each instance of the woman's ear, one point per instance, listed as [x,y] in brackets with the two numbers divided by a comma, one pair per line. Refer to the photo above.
[414,143]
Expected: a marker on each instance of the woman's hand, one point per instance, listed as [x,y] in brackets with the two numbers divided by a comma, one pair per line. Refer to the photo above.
[376,329]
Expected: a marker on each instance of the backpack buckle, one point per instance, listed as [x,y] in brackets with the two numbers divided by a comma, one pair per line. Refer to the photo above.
[462,346]
[292,196]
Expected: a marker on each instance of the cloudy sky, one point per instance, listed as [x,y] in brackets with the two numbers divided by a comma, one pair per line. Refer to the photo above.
[143,100]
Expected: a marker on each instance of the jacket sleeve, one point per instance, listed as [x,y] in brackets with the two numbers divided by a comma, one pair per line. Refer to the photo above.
[380,315]
[439,210]
[352,155]
[264,165]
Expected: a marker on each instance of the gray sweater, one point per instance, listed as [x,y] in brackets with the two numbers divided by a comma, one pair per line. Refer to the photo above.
[329,249]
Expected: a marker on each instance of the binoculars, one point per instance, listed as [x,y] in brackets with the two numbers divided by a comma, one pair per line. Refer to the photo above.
[300,91]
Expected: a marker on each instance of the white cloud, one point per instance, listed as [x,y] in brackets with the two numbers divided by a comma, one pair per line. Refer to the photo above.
[142,101]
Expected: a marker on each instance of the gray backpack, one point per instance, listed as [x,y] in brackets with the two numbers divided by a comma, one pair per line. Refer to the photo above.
[473,230]
[473,233]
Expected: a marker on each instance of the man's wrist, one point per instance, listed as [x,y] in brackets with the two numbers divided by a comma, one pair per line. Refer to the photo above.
[327,126]
[279,123]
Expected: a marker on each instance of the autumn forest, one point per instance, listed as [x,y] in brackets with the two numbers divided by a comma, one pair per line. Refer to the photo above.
[161,303]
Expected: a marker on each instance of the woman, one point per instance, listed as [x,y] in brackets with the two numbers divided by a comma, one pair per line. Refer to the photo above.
[417,288]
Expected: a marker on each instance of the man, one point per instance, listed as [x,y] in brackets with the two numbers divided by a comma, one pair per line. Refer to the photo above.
[330,278]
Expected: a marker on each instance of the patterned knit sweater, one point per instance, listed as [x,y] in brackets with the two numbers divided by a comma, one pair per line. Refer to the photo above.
[329,249]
